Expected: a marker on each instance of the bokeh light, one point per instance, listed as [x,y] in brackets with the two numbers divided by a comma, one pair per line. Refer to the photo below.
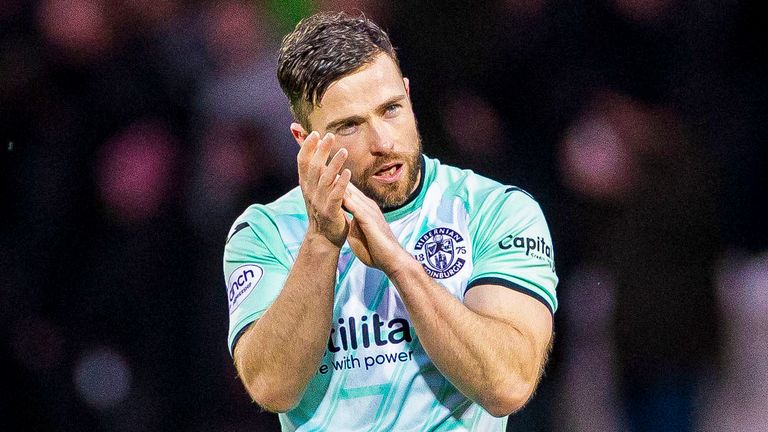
[135,171]
[79,28]
[102,377]
[596,159]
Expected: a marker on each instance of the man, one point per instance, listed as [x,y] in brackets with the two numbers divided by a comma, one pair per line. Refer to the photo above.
[388,291]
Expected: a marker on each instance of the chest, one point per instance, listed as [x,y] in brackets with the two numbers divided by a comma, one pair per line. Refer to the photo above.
[438,238]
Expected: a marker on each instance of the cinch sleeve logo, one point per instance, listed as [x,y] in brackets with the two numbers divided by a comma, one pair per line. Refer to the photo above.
[242,281]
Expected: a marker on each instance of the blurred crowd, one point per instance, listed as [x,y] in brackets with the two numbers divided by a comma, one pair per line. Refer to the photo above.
[132,133]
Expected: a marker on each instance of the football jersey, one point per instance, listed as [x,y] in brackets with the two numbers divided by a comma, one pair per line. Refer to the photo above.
[465,230]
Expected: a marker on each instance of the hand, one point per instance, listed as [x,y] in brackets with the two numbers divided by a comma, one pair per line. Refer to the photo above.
[370,237]
[323,187]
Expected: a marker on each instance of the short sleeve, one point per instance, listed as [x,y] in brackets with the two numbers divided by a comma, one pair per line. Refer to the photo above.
[255,269]
[513,247]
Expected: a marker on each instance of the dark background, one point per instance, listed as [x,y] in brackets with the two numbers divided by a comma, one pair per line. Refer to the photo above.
[133,133]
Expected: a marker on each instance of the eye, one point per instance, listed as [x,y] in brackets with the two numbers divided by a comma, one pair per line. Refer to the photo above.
[392,110]
[346,129]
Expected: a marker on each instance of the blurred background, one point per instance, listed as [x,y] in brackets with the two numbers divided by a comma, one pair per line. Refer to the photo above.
[132,133]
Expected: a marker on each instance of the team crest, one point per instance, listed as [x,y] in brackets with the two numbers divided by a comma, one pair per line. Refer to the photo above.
[441,252]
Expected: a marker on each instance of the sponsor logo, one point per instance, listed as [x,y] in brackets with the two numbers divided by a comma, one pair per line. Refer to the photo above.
[534,247]
[353,333]
[441,252]
[241,283]
[371,331]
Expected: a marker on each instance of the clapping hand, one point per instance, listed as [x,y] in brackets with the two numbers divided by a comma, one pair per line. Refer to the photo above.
[323,186]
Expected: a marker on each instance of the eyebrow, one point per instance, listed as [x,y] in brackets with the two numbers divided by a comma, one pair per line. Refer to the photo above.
[359,119]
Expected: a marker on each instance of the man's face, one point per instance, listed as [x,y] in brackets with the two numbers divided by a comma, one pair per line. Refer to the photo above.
[370,114]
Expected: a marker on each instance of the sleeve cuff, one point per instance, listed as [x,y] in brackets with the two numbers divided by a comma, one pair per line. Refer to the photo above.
[237,338]
[508,284]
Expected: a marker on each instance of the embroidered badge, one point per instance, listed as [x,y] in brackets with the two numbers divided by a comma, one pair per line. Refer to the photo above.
[441,252]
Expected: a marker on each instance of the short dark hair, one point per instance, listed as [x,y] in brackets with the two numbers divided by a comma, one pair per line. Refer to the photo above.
[322,49]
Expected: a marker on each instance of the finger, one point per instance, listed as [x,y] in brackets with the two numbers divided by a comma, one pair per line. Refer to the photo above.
[307,149]
[362,198]
[353,200]
[336,194]
[319,158]
[305,155]
[365,221]
[357,192]
[352,191]
[332,170]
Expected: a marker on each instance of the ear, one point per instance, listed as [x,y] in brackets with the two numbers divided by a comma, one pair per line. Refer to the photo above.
[298,132]
[407,86]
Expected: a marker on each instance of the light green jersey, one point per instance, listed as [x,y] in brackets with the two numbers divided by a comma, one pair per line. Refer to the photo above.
[466,230]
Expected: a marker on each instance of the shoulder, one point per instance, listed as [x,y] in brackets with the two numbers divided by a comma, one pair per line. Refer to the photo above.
[263,219]
[478,192]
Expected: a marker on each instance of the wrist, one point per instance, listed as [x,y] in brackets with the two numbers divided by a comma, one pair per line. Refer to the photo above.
[318,243]
[405,268]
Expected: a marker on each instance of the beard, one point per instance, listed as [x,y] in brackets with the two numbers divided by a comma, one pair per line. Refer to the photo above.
[392,195]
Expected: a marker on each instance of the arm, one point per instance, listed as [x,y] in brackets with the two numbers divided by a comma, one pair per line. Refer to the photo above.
[280,352]
[492,347]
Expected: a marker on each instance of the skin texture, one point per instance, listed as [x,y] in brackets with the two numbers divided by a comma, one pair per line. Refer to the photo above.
[370,114]
[278,354]
[492,347]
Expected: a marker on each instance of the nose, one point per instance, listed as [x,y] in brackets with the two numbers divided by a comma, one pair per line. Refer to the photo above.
[381,138]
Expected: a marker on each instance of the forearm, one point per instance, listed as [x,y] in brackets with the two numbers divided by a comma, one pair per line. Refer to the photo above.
[491,350]
[281,351]
[489,360]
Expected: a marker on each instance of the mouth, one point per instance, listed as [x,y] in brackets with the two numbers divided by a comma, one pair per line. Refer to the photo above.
[389,173]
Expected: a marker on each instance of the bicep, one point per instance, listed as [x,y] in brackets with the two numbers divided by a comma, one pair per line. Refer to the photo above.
[526,314]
